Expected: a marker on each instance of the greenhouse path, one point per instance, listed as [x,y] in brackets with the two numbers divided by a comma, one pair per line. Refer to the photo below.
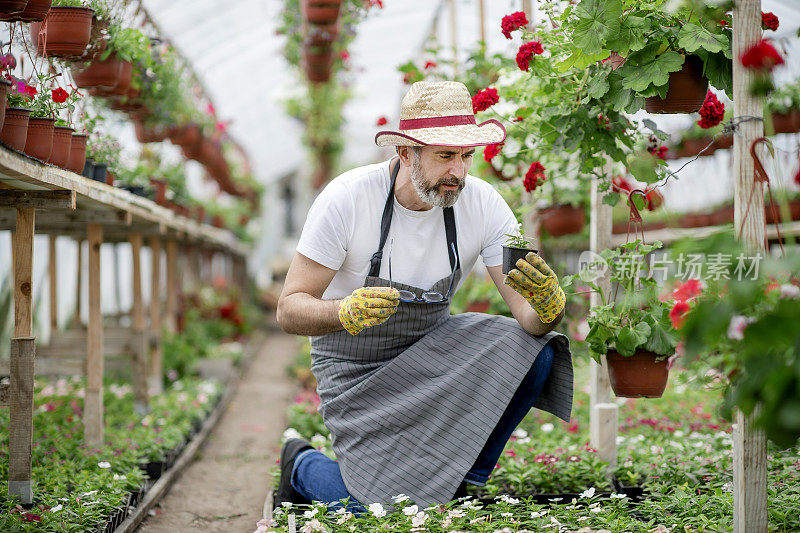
[224,489]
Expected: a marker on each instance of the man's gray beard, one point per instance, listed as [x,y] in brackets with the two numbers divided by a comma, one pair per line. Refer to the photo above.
[430,194]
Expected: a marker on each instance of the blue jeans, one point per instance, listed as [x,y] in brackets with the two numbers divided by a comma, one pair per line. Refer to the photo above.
[318,478]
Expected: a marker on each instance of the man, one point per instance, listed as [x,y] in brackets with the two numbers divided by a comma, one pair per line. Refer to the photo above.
[418,401]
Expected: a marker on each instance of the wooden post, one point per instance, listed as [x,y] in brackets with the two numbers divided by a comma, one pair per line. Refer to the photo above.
[528,10]
[172,286]
[454,34]
[76,319]
[53,275]
[155,381]
[117,293]
[140,330]
[22,361]
[607,415]
[93,402]
[749,444]
[482,19]
[599,240]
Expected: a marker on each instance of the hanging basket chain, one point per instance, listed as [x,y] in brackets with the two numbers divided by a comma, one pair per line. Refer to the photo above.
[760,176]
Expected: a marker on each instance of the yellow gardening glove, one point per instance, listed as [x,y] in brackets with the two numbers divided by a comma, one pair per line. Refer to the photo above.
[367,307]
[538,284]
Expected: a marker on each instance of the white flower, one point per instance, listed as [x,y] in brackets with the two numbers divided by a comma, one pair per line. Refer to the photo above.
[311,512]
[508,499]
[507,515]
[291,433]
[410,510]
[346,516]
[377,510]
[104,464]
[538,514]
[419,519]
[472,504]
[57,508]
[678,433]
[620,439]
[520,433]
[456,513]
[120,477]
[596,509]
[318,439]
[618,496]
[547,428]
[399,498]
[588,493]
[313,525]
[790,291]
[737,325]
[288,505]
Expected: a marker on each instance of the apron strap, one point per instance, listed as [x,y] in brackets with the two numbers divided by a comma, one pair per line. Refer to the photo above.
[386,222]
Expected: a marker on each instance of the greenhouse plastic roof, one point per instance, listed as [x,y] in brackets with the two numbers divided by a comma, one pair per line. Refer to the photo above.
[237,54]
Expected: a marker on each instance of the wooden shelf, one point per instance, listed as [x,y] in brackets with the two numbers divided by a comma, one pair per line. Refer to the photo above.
[119,212]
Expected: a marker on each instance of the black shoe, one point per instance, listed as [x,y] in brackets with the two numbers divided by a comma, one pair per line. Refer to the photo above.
[461,491]
[285,492]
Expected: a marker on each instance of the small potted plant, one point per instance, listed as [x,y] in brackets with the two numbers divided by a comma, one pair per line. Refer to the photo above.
[63,105]
[637,334]
[515,248]
[66,30]
[102,153]
[41,125]
[17,114]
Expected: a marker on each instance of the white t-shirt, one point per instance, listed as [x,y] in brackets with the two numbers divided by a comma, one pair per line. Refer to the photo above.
[342,231]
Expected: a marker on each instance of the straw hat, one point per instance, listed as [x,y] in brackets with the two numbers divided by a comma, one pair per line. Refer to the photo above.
[440,114]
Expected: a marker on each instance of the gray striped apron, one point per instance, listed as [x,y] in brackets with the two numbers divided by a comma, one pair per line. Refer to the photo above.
[411,402]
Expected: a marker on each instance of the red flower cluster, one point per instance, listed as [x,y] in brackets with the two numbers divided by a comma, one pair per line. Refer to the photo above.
[712,111]
[8,61]
[658,151]
[769,21]
[677,314]
[230,312]
[797,177]
[603,121]
[60,95]
[430,64]
[653,197]
[373,3]
[491,150]
[513,22]
[485,99]
[526,53]
[762,56]
[517,119]
[381,121]
[534,176]
[345,55]
[683,295]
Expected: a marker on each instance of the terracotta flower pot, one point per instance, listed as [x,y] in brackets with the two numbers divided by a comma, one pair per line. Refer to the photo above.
[5,86]
[77,153]
[637,376]
[15,127]
[186,135]
[321,12]
[560,220]
[145,134]
[686,91]
[103,74]
[62,145]
[36,10]
[321,35]
[218,221]
[10,10]
[200,213]
[786,122]
[122,84]
[318,62]
[64,32]
[39,143]
[479,306]
[160,188]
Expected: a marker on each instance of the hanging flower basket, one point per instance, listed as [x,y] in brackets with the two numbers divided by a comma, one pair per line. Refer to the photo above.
[322,35]
[36,10]
[187,135]
[145,134]
[65,31]
[77,153]
[786,122]
[560,220]
[10,10]
[122,85]
[62,145]
[641,375]
[321,12]
[318,63]
[5,86]
[686,91]
[15,127]
[103,74]
[160,188]
[39,143]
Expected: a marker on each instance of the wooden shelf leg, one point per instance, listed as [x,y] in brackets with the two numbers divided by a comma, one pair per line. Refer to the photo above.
[172,286]
[53,276]
[141,344]
[93,402]
[155,379]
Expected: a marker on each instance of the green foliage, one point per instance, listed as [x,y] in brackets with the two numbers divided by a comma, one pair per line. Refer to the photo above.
[68,3]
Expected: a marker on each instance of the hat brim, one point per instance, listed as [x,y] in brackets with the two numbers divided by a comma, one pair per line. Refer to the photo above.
[465,135]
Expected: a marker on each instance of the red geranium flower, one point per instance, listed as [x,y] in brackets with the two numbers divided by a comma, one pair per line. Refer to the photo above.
[678,314]
[526,52]
[485,99]
[687,291]
[430,64]
[797,177]
[518,119]
[618,183]
[30,90]
[490,151]
[762,56]
[30,517]
[769,21]
[534,176]
[654,199]
[712,111]
[373,3]
[381,121]
[7,61]
[513,22]
[60,95]
[344,55]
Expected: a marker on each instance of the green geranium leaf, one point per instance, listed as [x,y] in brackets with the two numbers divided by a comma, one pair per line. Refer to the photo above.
[693,37]
[598,20]
[662,339]
[630,338]
[719,70]
[618,96]
[638,201]
[643,167]
[598,337]
[630,36]
[611,199]
[580,59]
[598,87]
[644,68]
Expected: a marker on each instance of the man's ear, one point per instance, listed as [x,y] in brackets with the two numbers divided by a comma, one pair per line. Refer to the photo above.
[405,155]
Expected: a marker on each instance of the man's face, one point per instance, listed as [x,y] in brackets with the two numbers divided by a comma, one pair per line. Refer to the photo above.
[440,172]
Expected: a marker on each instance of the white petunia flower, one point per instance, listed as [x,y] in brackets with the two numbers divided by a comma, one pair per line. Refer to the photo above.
[410,510]
[547,428]
[790,291]
[588,493]
[291,433]
[419,519]
[618,496]
[310,513]
[57,508]
[538,514]
[399,498]
[104,464]
[508,499]
[520,433]
[377,510]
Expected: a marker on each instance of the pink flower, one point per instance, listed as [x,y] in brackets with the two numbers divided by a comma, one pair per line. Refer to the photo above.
[491,150]
[513,22]
[761,56]
[526,53]
[769,21]
[7,61]
[344,55]
[484,99]
[737,326]
[790,291]
[534,176]
[381,121]
[511,453]
[678,314]
[712,111]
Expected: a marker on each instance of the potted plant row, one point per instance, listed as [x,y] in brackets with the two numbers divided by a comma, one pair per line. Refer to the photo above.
[24,10]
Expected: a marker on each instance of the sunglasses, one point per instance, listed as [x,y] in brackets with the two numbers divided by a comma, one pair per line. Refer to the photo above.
[428,297]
